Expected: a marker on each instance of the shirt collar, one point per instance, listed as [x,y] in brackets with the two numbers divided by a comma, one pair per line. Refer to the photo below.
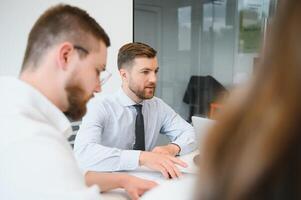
[125,100]
[38,103]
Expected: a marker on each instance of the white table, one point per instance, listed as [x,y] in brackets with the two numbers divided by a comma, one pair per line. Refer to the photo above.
[120,194]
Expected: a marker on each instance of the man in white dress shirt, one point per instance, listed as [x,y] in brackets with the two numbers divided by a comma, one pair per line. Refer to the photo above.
[108,139]
[65,55]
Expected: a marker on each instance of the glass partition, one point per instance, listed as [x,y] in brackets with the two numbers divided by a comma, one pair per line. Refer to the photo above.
[204,47]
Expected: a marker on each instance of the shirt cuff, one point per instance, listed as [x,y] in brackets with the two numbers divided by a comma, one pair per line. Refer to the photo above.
[185,147]
[129,159]
[180,149]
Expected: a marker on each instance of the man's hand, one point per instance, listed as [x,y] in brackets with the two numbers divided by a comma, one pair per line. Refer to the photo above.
[170,149]
[163,163]
[135,187]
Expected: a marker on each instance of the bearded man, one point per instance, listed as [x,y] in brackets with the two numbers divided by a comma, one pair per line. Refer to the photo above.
[120,131]
[65,55]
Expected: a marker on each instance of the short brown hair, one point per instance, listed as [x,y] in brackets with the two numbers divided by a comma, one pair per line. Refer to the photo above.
[128,52]
[62,23]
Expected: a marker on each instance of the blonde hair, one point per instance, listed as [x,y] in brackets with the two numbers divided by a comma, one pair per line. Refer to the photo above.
[254,151]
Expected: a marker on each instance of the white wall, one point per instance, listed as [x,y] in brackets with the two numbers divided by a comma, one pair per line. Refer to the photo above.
[17,18]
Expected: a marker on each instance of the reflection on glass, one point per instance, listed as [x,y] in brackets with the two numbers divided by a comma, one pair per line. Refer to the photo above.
[195,38]
[250,27]
[184,26]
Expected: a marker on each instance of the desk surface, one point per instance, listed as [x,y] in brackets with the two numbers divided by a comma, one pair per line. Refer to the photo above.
[120,194]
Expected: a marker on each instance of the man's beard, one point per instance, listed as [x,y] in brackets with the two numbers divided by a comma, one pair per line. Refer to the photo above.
[77,102]
[142,93]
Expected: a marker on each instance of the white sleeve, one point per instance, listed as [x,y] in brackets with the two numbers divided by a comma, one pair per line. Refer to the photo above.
[90,154]
[42,168]
[177,129]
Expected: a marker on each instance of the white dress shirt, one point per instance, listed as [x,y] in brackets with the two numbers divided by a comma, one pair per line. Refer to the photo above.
[107,134]
[36,160]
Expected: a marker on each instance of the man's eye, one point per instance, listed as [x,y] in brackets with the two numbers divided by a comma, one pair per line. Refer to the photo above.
[145,72]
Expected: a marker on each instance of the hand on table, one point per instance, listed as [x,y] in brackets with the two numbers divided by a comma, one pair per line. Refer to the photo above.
[135,187]
[166,164]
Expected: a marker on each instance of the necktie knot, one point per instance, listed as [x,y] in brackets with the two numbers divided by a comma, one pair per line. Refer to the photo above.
[138,108]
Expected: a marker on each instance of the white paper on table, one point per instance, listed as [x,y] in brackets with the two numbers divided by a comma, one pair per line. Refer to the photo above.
[192,167]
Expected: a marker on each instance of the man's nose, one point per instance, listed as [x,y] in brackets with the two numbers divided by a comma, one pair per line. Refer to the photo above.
[153,77]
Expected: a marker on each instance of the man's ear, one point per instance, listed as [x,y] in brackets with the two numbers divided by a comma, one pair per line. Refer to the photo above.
[64,54]
[124,74]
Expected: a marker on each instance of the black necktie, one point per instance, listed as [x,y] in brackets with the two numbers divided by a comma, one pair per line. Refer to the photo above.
[139,129]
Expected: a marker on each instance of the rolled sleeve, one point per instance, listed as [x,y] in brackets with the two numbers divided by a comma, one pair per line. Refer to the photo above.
[187,144]
[178,130]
